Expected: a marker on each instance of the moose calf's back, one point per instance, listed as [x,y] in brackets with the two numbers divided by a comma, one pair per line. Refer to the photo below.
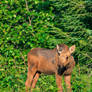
[43,59]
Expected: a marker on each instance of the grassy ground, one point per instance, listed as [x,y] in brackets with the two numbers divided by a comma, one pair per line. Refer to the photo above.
[81,81]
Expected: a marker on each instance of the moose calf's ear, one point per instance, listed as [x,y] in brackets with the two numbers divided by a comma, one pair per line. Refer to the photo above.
[57,47]
[72,49]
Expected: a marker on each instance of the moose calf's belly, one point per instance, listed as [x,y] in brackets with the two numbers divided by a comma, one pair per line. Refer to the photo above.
[46,68]
[48,72]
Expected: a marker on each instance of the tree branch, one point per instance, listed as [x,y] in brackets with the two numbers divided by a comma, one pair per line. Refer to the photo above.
[28,11]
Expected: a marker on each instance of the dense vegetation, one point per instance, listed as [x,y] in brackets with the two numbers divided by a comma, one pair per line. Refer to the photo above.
[44,23]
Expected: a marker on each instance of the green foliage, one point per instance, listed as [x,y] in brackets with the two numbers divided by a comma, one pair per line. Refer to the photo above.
[81,79]
[52,22]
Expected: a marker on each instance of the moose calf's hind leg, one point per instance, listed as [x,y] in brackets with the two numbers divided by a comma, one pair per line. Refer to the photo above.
[35,80]
[30,76]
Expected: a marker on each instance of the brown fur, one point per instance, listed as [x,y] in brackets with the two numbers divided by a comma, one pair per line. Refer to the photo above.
[49,62]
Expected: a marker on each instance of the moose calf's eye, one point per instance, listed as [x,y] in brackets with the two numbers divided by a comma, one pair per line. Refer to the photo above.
[66,57]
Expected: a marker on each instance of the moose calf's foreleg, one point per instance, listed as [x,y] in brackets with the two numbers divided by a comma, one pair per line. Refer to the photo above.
[58,82]
[67,80]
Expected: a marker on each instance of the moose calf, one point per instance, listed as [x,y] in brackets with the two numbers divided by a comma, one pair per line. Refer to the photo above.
[58,61]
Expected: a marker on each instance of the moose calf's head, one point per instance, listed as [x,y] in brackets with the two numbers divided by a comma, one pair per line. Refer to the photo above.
[64,53]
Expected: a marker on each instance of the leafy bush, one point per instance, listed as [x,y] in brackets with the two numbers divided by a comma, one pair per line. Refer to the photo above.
[38,23]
